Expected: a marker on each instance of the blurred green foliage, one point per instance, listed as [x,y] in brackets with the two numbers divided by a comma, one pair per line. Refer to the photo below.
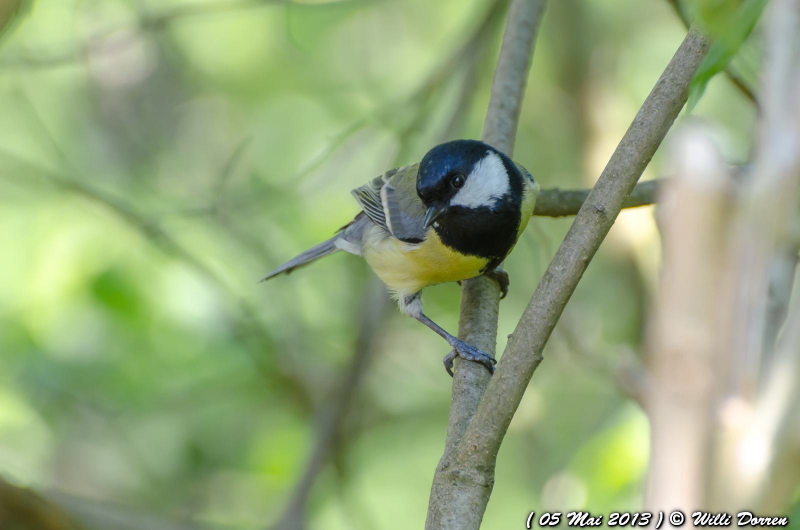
[11,12]
[730,22]
[158,156]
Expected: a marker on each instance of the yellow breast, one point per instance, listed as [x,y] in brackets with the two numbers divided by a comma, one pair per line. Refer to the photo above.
[406,268]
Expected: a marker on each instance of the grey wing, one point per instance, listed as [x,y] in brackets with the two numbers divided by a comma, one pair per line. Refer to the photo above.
[391,202]
[351,236]
[369,197]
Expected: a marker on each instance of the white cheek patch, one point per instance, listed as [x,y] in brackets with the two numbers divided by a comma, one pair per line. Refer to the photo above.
[487,183]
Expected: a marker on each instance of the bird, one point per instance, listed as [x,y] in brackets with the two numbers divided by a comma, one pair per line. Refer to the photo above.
[453,216]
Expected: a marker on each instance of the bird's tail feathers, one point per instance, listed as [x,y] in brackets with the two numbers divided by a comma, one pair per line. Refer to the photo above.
[312,254]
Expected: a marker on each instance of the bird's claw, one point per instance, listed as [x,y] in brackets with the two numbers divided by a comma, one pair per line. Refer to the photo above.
[469,353]
[501,277]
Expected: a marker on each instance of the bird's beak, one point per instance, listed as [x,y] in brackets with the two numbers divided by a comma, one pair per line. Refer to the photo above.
[434,212]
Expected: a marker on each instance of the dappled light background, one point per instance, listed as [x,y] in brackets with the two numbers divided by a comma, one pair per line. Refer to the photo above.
[157,157]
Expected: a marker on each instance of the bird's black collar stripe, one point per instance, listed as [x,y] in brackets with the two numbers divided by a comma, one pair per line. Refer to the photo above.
[482,232]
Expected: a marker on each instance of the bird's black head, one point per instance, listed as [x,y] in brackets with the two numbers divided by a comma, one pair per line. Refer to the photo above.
[472,193]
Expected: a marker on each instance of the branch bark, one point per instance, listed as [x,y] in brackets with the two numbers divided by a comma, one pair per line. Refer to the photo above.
[465,475]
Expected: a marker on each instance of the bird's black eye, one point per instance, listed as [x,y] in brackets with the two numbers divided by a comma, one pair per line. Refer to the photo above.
[457,181]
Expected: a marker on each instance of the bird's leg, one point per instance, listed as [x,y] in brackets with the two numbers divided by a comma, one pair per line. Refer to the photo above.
[501,277]
[412,306]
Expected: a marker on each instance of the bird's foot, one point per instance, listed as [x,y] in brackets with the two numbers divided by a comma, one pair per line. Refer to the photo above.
[470,353]
[501,277]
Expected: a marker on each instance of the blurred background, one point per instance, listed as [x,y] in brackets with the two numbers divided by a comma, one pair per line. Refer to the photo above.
[157,157]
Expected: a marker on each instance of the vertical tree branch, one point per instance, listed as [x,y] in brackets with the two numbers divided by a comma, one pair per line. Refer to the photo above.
[682,340]
[511,75]
[465,476]
[481,296]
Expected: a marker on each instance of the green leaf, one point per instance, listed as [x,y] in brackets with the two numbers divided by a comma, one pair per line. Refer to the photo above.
[730,26]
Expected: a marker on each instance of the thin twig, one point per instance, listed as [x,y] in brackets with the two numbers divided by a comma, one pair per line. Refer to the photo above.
[561,203]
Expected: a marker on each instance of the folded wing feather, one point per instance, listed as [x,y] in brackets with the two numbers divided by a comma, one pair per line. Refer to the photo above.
[391,202]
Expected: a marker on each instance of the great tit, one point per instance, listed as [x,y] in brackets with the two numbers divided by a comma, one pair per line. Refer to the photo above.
[455,215]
